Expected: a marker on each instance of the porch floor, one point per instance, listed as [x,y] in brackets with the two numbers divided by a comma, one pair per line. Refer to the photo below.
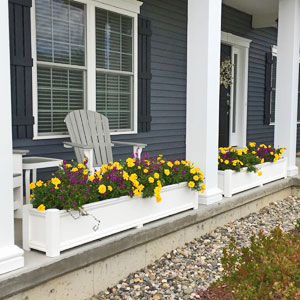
[39,268]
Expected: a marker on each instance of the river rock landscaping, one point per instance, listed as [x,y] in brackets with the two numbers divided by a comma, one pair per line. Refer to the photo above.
[181,273]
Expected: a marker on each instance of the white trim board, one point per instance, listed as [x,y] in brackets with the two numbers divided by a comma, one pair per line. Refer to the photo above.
[239,46]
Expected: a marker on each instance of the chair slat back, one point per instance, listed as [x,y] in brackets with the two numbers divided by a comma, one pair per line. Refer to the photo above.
[90,128]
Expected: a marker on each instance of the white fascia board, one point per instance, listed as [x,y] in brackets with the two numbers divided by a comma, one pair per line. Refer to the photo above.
[129,5]
[235,40]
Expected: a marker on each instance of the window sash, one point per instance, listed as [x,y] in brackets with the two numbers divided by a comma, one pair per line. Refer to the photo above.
[90,62]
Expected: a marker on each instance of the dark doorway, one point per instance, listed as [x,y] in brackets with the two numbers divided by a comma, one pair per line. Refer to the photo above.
[224,108]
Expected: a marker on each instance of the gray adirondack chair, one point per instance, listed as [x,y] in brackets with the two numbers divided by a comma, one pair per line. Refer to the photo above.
[90,138]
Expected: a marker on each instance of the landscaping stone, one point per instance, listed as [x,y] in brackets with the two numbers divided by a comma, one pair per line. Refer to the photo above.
[182,272]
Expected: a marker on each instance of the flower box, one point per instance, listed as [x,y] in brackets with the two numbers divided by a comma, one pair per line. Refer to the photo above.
[232,182]
[54,230]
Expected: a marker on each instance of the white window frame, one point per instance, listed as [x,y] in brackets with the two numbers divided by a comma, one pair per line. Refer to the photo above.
[274,53]
[130,8]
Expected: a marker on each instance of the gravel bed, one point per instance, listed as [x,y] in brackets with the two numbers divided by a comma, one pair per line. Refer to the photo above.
[180,273]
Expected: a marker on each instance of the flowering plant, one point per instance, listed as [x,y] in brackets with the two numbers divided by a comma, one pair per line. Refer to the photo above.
[73,185]
[249,157]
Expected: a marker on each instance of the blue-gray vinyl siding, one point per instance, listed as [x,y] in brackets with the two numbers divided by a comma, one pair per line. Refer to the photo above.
[168,89]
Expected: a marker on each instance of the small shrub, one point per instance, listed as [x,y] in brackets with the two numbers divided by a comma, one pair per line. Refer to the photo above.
[268,269]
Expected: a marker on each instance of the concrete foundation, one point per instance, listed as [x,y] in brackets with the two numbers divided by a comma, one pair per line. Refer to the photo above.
[87,270]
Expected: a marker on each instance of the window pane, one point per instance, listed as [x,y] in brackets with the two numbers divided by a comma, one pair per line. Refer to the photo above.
[114,98]
[60,31]
[60,91]
[114,39]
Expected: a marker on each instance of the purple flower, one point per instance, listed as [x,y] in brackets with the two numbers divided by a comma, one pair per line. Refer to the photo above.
[74,203]
[64,162]
[52,190]
[61,197]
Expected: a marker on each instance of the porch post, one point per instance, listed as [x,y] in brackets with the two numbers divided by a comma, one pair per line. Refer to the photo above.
[11,257]
[203,77]
[287,80]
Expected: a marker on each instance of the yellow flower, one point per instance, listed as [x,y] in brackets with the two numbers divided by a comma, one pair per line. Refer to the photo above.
[102,189]
[68,165]
[139,167]
[140,187]
[262,161]
[177,162]
[252,144]
[91,178]
[158,198]
[196,177]
[39,183]
[226,162]
[253,152]
[183,162]
[41,207]
[135,183]
[146,171]
[157,190]
[85,160]
[281,150]
[110,188]
[203,186]
[125,175]
[85,172]
[167,172]
[191,184]
[133,177]
[136,192]
[156,175]
[272,153]
[259,173]
[162,161]
[31,196]
[32,185]
[151,179]
[193,171]
[74,170]
[170,164]
[239,152]
[81,166]
[159,183]
[130,162]
[56,181]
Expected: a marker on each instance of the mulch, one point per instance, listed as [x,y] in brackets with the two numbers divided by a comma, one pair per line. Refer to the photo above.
[215,293]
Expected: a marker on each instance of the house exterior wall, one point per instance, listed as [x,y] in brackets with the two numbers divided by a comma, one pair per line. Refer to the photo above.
[168,90]
[168,85]
[239,23]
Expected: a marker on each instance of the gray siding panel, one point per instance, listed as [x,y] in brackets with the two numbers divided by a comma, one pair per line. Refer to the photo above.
[168,99]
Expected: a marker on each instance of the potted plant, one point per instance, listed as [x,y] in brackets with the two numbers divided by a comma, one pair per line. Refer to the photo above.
[255,165]
[78,206]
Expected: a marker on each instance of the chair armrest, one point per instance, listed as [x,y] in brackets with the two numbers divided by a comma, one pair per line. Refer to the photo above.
[129,144]
[70,145]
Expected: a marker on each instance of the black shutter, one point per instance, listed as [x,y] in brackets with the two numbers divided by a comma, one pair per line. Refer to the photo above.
[144,77]
[21,68]
[268,88]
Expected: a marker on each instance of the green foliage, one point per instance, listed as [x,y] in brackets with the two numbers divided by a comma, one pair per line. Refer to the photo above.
[73,185]
[230,158]
[268,269]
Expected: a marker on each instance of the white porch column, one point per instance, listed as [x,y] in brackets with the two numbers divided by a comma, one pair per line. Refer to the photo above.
[203,76]
[11,257]
[287,80]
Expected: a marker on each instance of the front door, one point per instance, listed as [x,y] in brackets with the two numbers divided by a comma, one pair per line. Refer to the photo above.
[224,108]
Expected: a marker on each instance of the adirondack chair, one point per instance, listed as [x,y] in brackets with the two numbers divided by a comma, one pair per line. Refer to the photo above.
[90,138]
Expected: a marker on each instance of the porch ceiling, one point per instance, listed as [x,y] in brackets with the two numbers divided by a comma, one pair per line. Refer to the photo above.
[264,12]
[254,7]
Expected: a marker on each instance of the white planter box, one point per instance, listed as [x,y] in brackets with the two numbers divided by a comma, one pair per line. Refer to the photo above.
[232,182]
[54,230]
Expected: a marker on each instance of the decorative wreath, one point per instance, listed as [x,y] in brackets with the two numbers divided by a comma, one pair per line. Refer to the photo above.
[226,72]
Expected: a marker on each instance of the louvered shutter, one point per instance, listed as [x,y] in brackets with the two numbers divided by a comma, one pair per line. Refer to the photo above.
[21,68]
[144,75]
[268,88]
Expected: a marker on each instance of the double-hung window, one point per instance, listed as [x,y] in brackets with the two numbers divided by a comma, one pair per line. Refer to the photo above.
[84,58]
[273,88]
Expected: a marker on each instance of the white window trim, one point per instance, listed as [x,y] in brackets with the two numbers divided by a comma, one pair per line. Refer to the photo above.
[274,50]
[129,8]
